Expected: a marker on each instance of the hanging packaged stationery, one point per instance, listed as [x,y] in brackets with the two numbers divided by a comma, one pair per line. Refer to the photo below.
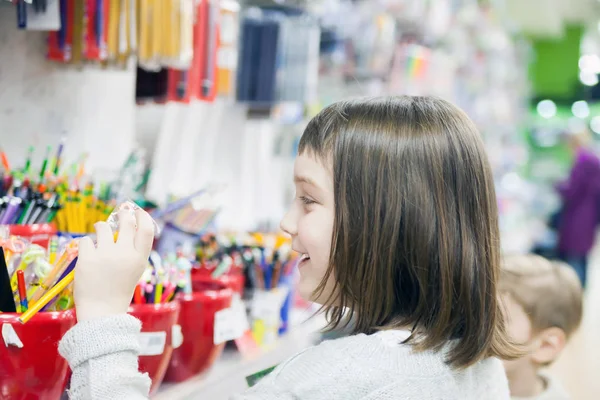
[258,57]
[113,39]
[298,59]
[151,85]
[165,34]
[178,85]
[60,42]
[77,31]
[199,80]
[227,47]
[21,14]
[93,15]
[207,58]
[42,15]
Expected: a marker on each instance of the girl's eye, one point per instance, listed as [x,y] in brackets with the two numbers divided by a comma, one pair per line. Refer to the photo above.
[306,200]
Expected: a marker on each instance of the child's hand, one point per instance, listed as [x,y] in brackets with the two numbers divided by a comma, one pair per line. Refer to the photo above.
[106,275]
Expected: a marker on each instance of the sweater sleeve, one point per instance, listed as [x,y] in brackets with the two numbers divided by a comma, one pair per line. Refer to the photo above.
[103,355]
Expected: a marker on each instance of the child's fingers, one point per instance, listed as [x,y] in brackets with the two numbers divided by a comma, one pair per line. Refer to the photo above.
[86,247]
[126,227]
[104,234]
[145,232]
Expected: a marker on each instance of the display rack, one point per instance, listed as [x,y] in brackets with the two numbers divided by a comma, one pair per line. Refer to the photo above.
[227,376]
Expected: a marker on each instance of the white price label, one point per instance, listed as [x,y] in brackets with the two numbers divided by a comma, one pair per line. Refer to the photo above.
[226,58]
[228,29]
[266,305]
[231,323]
[10,336]
[176,336]
[152,343]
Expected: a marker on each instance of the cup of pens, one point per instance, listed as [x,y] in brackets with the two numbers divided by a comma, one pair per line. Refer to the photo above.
[39,234]
[30,366]
[233,279]
[159,337]
[198,351]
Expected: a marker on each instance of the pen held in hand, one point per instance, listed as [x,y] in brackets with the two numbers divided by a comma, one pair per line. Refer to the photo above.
[47,297]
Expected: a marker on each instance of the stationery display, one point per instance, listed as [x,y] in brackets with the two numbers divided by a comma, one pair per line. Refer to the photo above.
[163,279]
[279,57]
[50,284]
[53,195]
[267,262]
[35,275]
[199,80]
[185,219]
[29,196]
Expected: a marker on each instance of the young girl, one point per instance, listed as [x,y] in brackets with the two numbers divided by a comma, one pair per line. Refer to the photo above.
[395,217]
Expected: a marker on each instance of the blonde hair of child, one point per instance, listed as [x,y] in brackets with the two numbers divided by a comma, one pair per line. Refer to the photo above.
[549,292]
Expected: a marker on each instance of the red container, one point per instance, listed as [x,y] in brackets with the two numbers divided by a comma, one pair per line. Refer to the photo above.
[233,280]
[197,319]
[39,234]
[157,327]
[35,371]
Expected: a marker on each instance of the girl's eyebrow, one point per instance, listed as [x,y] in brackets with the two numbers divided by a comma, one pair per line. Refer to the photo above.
[305,179]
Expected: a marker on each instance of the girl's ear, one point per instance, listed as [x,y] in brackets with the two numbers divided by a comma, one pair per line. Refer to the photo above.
[549,344]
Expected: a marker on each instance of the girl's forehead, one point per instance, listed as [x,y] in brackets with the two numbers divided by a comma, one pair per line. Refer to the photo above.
[312,170]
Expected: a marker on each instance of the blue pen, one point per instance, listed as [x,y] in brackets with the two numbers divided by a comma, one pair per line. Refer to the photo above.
[62,33]
[66,272]
[266,269]
[22,14]
[99,21]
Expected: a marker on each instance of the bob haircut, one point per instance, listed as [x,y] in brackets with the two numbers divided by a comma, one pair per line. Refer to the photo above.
[415,241]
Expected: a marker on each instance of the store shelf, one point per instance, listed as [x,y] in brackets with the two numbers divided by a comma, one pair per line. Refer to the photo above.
[227,377]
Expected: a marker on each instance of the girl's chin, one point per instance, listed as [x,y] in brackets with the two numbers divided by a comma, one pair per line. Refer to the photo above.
[307,292]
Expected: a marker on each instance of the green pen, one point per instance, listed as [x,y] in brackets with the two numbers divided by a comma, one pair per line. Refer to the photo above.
[45,163]
[28,161]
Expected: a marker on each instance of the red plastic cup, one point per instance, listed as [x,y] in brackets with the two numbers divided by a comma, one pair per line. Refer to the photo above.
[39,234]
[35,371]
[197,320]
[233,280]
[157,325]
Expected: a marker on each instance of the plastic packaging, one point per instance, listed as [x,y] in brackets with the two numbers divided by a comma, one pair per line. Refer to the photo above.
[113,219]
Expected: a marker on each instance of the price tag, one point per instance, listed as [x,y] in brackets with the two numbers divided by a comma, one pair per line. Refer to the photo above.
[176,336]
[10,336]
[228,29]
[231,323]
[226,58]
[246,344]
[266,305]
[152,343]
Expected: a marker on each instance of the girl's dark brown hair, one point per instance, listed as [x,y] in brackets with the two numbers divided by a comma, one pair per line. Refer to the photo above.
[415,241]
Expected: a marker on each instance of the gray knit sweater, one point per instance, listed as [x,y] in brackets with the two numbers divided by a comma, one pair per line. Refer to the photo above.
[103,357]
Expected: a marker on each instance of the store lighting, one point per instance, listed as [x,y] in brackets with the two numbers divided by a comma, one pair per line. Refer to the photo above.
[595,125]
[589,63]
[576,125]
[546,108]
[581,109]
[588,78]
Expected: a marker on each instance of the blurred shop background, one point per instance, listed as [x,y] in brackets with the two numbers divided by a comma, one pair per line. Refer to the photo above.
[163,100]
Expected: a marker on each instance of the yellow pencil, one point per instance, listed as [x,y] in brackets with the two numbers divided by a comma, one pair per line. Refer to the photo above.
[45,299]
[158,294]
[35,292]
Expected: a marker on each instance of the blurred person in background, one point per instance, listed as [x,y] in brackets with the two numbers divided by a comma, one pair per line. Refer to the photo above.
[543,305]
[580,213]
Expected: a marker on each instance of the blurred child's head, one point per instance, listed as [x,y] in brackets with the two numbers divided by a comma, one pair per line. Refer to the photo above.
[579,139]
[395,215]
[543,305]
